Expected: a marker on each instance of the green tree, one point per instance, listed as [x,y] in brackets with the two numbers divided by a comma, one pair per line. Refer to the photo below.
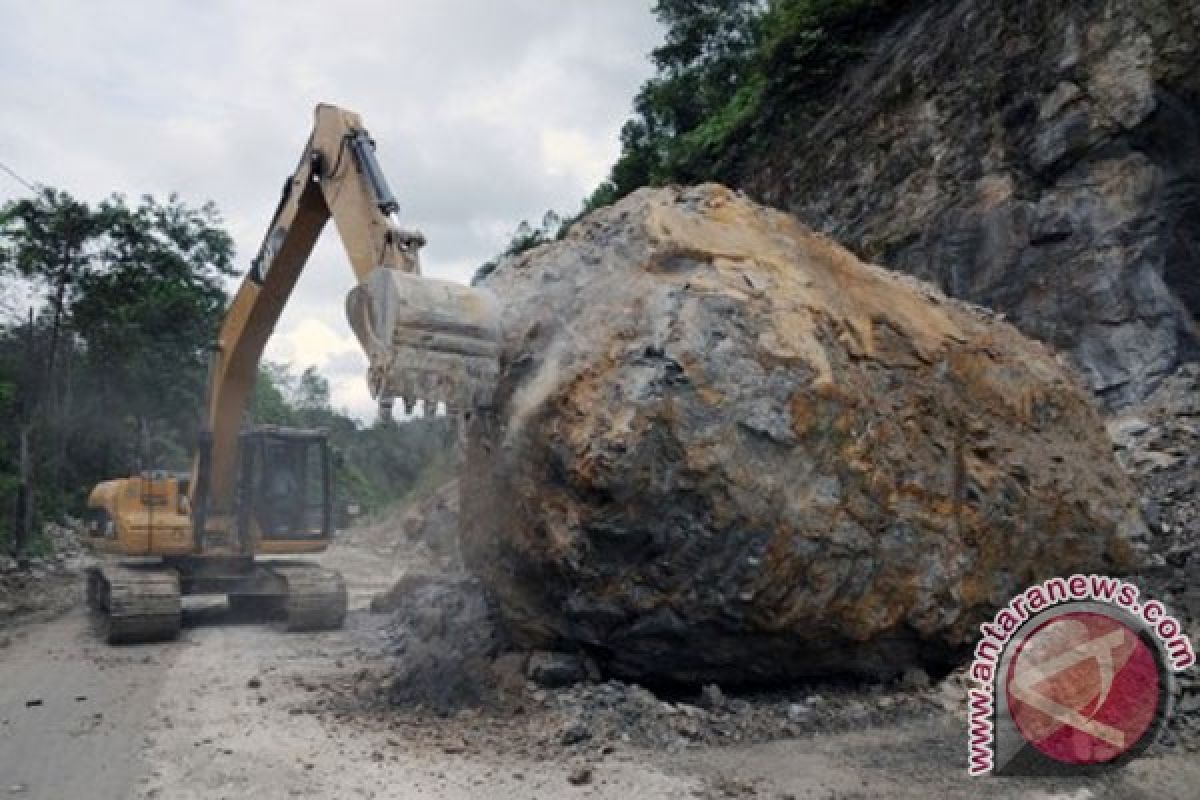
[148,313]
[728,71]
[269,404]
[50,239]
[526,237]
[130,299]
[312,391]
[707,56]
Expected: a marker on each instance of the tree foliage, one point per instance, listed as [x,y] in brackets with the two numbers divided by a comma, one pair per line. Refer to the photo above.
[527,237]
[148,315]
[728,71]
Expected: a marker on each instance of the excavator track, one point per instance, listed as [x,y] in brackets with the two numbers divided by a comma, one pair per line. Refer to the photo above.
[315,599]
[135,604]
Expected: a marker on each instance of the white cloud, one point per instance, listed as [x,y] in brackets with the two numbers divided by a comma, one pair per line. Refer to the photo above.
[486,113]
[310,342]
[575,155]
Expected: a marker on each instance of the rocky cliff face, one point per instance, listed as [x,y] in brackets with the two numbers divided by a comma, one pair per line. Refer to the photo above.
[725,449]
[1038,157]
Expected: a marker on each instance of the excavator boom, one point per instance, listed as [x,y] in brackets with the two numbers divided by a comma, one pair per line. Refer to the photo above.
[424,339]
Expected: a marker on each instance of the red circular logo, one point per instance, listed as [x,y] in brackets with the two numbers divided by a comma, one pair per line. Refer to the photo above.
[1083,688]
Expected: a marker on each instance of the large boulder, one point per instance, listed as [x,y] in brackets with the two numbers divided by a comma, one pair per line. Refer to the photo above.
[723,449]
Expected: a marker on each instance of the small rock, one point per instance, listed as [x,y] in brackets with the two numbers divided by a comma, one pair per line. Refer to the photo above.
[574,733]
[688,728]
[1154,460]
[712,698]
[33,702]
[1189,704]
[641,696]
[508,670]
[914,679]
[796,712]
[555,670]
[1122,430]
[580,775]
[253,683]
[856,711]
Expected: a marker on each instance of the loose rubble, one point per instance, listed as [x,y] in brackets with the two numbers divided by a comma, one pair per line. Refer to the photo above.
[43,585]
[443,638]
[1158,443]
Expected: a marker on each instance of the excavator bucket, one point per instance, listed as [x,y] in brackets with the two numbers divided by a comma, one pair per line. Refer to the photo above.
[426,339]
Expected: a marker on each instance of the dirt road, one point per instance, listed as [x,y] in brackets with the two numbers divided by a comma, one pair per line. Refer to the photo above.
[72,713]
[239,709]
[234,710]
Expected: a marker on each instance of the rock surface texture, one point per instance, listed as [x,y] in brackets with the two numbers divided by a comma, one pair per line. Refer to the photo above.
[1038,157]
[1158,443]
[725,450]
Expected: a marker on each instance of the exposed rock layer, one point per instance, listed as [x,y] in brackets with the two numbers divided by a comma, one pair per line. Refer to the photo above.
[1038,157]
[726,450]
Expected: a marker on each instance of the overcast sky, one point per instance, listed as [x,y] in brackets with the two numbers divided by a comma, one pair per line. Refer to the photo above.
[486,112]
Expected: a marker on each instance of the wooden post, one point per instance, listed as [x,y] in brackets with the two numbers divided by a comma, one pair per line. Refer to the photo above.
[23,517]
[23,509]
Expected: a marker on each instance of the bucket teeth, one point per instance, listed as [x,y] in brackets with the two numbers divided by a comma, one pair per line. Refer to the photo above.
[426,339]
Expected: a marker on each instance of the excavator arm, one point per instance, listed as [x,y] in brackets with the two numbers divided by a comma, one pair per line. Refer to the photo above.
[424,339]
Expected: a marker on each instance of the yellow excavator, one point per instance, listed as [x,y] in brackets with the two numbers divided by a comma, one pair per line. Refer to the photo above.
[267,491]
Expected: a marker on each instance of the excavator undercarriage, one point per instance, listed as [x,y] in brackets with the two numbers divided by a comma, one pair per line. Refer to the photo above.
[143,602]
[135,604]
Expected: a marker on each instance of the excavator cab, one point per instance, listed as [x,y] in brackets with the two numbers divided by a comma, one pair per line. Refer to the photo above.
[285,485]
